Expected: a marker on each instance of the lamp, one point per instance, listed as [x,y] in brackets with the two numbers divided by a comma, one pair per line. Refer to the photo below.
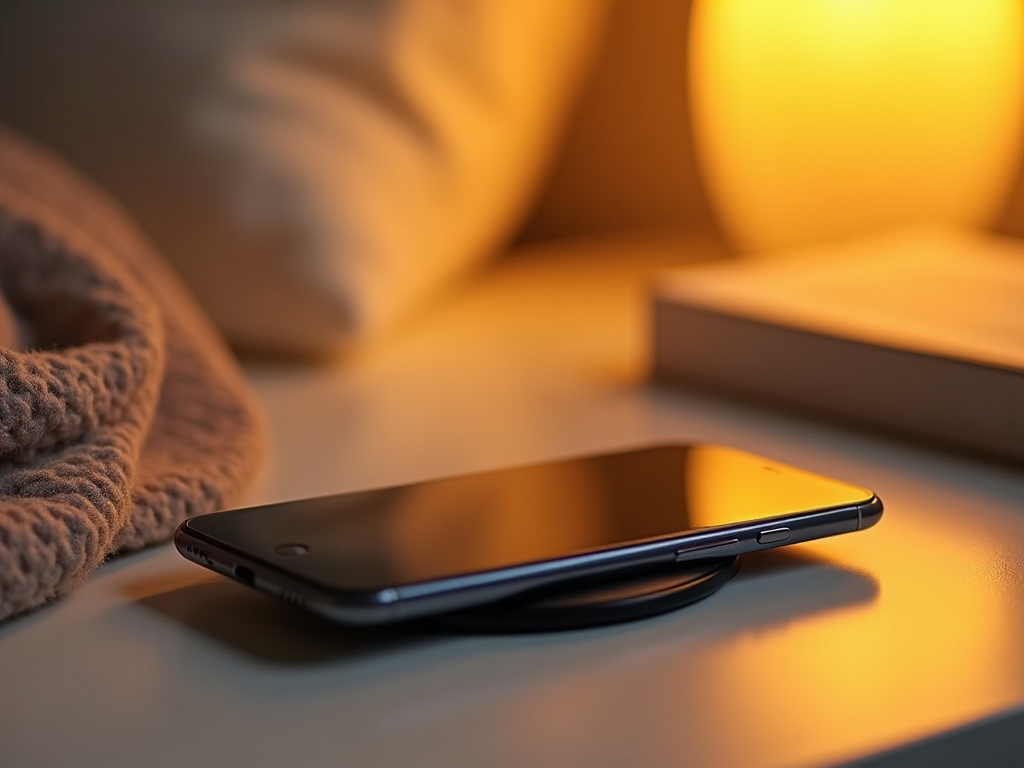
[818,119]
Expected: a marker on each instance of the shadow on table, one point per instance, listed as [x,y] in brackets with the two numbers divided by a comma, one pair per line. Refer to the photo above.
[270,631]
[778,586]
[772,588]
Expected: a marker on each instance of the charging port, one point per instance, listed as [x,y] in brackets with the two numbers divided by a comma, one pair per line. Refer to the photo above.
[244,575]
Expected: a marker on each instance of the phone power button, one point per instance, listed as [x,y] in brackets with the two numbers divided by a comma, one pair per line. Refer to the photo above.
[773,536]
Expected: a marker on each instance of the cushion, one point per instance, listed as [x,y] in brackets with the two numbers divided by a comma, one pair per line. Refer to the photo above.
[314,169]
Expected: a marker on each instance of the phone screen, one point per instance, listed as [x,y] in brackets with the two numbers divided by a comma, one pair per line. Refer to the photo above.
[432,530]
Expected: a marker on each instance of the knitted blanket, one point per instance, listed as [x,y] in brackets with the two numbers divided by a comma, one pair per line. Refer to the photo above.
[121,412]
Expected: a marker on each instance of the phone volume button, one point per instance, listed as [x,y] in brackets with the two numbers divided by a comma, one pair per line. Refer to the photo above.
[710,548]
[774,535]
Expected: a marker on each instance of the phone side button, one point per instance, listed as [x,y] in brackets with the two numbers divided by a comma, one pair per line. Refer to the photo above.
[773,536]
[711,549]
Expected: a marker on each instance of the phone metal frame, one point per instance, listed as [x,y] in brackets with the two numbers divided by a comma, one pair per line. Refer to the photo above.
[417,600]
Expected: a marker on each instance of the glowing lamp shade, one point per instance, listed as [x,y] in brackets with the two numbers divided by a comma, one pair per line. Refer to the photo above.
[818,119]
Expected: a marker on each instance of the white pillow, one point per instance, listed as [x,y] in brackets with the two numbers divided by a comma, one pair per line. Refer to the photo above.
[314,169]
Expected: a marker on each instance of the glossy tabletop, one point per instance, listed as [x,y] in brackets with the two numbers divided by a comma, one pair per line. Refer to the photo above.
[900,645]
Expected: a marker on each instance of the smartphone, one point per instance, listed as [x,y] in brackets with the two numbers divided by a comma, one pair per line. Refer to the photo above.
[409,551]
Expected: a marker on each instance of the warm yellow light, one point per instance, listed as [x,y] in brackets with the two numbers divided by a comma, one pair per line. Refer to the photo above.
[823,118]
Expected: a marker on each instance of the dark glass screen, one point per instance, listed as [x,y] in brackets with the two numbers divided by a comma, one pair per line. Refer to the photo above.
[420,532]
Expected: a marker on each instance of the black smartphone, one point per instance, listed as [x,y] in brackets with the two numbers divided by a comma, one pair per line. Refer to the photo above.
[390,554]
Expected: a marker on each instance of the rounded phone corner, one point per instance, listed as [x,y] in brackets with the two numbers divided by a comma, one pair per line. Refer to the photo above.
[869,513]
[366,609]
[180,534]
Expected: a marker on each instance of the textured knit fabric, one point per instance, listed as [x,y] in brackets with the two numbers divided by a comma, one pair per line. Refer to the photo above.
[121,412]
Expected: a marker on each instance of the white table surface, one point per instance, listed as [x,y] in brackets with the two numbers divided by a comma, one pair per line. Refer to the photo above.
[906,637]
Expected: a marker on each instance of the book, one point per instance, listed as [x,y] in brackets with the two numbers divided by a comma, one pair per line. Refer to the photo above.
[919,331]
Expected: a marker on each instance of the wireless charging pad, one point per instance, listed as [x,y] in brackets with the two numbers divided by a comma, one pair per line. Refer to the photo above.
[597,604]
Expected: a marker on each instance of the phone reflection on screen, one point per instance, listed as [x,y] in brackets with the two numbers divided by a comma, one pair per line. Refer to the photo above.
[490,520]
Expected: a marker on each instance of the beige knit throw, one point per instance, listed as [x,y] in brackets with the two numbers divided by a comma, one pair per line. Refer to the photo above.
[121,412]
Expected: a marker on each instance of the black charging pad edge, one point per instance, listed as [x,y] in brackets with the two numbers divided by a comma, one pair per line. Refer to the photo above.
[598,604]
